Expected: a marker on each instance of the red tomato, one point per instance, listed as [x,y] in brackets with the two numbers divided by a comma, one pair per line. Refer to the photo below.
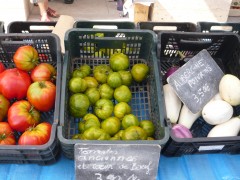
[44,72]
[26,58]
[6,134]
[22,115]
[2,67]
[42,95]
[36,135]
[4,106]
[14,83]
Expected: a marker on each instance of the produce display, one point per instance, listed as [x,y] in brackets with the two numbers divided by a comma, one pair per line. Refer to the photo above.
[218,112]
[100,97]
[27,90]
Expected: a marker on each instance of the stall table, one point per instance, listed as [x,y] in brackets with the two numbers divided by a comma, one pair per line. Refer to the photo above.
[187,167]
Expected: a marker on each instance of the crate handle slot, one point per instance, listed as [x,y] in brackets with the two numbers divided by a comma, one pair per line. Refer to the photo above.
[164,28]
[104,26]
[41,28]
[24,42]
[202,41]
[221,28]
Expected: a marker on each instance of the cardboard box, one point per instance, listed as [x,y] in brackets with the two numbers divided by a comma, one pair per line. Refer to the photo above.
[137,10]
[140,12]
[235,8]
[190,11]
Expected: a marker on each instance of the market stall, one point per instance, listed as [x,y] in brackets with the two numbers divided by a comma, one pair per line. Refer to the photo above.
[169,155]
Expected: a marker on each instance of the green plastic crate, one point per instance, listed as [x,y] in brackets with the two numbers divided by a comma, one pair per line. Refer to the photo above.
[147,100]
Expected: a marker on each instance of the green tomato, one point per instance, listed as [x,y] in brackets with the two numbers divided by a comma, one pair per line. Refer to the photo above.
[86,69]
[140,72]
[82,71]
[77,136]
[114,80]
[84,125]
[121,109]
[134,133]
[93,95]
[103,108]
[106,92]
[95,133]
[91,82]
[119,61]
[118,135]
[148,126]
[111,125]
[126,77]
[78,105]
[101,73]
[129,120]
[90,116]
[122,94]
[77,85]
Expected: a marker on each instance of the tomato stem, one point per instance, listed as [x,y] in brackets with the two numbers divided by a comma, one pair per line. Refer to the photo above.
[3,136]
[42,84]
[31,128]
[31,109]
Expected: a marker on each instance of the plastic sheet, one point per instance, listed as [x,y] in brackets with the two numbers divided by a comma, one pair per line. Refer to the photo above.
[188,167]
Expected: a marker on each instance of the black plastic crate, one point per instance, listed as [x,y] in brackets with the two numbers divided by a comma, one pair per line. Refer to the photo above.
[206,27]
[30,27]
[105,24]
[48,47]
[225,50]
[167,26]
[147,101]
[2,30]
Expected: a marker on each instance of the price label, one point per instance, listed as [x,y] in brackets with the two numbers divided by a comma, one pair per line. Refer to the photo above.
[197,81]
[116,161]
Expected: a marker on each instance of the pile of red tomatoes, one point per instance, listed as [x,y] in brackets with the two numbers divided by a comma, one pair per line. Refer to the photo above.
[26,91]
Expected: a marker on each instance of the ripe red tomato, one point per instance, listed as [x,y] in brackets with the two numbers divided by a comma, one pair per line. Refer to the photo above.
[22,115]
[36,135]
[6,134]
[4,106]
[14,83]
[2,67]
[26,58]
[42,95]
[44,72]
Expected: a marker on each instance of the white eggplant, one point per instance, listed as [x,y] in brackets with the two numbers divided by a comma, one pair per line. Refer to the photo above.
[228,128]
[172,102]
[187,118]
[229,89]
[217,112]
[216,97]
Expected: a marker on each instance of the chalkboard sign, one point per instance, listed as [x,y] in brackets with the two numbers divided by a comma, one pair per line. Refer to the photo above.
[116,161]
[197,81]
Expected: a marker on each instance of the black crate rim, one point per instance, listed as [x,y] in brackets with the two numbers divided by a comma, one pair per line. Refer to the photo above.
[119,24]
[53,137]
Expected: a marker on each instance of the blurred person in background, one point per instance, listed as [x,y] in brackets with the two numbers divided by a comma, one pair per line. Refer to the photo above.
[45,11]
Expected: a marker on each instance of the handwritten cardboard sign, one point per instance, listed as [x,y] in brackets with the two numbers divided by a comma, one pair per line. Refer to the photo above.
[197,81]
[116,161]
